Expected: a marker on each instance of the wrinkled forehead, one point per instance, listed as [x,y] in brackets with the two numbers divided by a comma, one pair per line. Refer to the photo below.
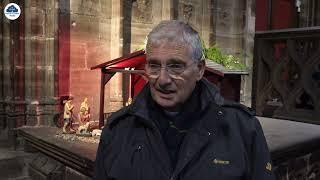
[165,47]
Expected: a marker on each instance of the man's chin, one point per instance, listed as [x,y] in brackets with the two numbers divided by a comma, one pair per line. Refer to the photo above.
[167,104]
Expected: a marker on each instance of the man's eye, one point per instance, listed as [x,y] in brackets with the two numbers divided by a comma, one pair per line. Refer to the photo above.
[154,66]
[176,66]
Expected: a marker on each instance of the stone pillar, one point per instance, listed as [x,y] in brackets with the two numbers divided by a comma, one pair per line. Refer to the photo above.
[7,93]
[50,57]
[40,56]
[167,9]
[16,115]
[7,90]
[29,66]
[32,55]
[28,55]
[206,22]
[248,45]
[116,14]
[145,14]
[115,92]
[197,14]
[50,48]
[12,105]
[3,123]
[229,19]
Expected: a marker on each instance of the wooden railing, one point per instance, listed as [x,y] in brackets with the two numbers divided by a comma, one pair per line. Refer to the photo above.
[286,79]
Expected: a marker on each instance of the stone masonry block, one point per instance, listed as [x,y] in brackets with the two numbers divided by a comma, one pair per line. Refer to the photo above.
[43,167]
[73,174]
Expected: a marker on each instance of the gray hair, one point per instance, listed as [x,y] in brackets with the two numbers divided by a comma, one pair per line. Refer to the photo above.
[179,32]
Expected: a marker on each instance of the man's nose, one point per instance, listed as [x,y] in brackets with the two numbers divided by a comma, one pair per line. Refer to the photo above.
[164,77]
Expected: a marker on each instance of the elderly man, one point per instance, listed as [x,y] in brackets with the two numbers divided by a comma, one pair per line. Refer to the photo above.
[179,127]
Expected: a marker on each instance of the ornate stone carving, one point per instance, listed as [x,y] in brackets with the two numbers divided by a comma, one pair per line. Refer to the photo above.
[224,17]
[288,78]
[186,10]
[306,167]
[141,10]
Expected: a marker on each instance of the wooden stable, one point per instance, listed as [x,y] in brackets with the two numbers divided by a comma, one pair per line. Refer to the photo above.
[229,81]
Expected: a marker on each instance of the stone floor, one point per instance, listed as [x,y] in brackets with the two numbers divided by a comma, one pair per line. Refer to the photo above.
[13,163]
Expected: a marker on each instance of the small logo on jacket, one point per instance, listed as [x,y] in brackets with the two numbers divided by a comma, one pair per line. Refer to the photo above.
[12,11]
[222,162]
[269,167]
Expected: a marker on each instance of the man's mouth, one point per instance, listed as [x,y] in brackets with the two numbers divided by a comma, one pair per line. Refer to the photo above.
[165,93]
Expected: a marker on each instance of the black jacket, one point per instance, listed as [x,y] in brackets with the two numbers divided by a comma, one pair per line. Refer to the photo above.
[226,142]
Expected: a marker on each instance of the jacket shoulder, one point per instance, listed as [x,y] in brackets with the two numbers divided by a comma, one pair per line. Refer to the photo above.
[115,123]
[240,117]
[238,107]
[118,115]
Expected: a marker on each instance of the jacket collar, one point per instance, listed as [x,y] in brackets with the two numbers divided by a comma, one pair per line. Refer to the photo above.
[141,106]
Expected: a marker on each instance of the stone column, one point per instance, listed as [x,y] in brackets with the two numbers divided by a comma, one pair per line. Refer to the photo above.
[29,66]
[198,14]
[50,56]
[28,58]
[167,9]
[33,45]
[7,90]
[35,23]
[7,93]
[116,14]
[115,92]
[206,22]
[248,45]
[13,73]
[40,56]
[50,48]
[229,19]
[3,123]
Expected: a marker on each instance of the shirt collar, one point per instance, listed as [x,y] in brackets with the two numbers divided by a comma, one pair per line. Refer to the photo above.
[204,93]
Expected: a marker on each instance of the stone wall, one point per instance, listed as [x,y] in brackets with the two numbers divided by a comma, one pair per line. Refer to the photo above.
[90,32]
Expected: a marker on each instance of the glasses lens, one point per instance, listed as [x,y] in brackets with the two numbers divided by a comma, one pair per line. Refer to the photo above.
[175,69]
[153,69]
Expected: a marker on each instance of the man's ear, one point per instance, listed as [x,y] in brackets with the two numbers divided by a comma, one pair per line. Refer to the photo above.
[201,68]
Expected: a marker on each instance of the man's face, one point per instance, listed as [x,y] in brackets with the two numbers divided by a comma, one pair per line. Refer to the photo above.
[169,91]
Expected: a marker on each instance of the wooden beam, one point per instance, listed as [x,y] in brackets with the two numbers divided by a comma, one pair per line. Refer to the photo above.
[105,77]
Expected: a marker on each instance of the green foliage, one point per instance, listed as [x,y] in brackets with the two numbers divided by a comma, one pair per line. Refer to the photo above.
[214,53]
[229,61]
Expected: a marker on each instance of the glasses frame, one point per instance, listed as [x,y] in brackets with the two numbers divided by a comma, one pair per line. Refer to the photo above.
[172,75]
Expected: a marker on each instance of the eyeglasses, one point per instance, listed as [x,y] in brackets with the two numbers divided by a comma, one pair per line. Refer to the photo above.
[174,70]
